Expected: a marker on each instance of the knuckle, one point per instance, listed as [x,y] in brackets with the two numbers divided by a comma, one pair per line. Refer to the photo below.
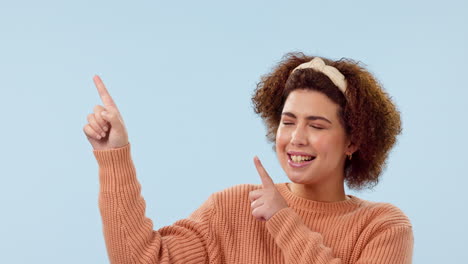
[252,195]
[88,130]
[93,124]
[101,121]
[256,212]
[110,114]
[104,125]
[97,108]
[91,129]
[98,116]
[92,120]
[97,128]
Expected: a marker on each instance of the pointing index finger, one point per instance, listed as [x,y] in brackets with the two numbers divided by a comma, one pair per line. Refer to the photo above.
[103,93]
[266,180]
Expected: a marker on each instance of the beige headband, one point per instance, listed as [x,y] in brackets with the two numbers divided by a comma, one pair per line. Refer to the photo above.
[333,73]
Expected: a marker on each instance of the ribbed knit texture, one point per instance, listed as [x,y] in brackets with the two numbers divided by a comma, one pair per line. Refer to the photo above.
[223,230]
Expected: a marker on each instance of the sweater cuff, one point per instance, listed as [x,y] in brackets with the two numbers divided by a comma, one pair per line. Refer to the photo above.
[116,168]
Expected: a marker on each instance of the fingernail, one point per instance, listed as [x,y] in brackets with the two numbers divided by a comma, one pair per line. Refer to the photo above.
[104,113]
[106,128]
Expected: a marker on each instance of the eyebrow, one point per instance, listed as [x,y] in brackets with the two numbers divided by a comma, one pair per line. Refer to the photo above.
[308,118]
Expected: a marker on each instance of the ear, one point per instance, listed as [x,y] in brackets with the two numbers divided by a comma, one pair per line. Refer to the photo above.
[351,148]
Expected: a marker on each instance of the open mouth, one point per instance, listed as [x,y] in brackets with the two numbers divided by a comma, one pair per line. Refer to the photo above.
[300,159]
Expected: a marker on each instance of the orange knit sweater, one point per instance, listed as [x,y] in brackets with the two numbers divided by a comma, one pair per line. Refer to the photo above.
[222,229]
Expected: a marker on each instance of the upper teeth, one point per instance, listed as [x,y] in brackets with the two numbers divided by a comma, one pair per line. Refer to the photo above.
[300,158]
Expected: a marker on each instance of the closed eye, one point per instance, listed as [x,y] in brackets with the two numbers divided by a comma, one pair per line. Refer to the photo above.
[317,127]
[289,123]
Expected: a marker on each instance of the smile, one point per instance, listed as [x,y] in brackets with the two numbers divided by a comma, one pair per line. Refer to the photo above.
[297,161]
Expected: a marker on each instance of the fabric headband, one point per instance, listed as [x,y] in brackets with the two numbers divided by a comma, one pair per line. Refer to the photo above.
[333,73]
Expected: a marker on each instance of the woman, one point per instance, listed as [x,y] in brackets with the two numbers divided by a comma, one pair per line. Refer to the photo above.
[330,122]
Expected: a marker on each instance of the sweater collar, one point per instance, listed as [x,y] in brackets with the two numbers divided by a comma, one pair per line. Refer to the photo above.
[301,203]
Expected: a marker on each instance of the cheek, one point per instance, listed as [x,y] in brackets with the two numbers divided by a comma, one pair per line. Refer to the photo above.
[322,143]
[327,143]
[282,139]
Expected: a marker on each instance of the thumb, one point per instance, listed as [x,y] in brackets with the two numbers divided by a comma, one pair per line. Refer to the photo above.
[112,117]
[105,116]
[267,182]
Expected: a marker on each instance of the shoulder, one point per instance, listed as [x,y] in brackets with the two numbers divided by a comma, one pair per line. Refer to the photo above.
[237,191]
[226,199]
[385,214]
[234,195]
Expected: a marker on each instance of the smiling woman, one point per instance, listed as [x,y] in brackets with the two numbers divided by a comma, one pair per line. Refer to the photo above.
[330,122]
[364,111]
[310,127]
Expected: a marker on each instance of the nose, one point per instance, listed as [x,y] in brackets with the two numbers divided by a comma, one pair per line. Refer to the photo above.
[299,137]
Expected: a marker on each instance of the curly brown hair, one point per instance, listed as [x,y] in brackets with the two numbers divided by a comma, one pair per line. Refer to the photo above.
[367,113]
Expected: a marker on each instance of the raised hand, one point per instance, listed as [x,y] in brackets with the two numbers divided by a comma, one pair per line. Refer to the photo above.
[267,201]
[106,128]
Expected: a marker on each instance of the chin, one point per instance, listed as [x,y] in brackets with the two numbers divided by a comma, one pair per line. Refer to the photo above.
[297,178]
[297,181]
[307,177]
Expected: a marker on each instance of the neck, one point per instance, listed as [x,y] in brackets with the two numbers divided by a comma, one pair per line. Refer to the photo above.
[319,192]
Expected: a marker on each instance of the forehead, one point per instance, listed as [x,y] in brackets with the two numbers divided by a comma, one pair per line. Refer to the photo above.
[303,103]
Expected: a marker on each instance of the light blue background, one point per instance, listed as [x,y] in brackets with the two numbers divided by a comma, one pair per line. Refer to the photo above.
[182,74]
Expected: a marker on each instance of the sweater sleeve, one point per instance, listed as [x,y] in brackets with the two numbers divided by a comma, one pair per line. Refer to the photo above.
[129,234]
[301,245]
